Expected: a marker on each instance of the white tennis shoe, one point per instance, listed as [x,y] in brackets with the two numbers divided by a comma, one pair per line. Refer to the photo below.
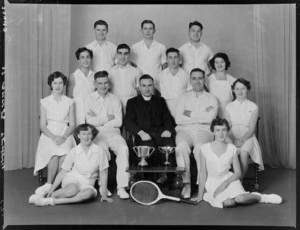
[269,198]
[122,193]
[33,198]
[42,190]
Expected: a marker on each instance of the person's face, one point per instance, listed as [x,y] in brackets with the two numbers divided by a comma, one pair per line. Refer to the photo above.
[123,56]
[148,31]
[101,32]
[195,33]
[220,133]
[57,85]
[240,91]
[102,85]
[85,137]
[173,60]
[146,87]
[84,59]
[220,64]
[197,81]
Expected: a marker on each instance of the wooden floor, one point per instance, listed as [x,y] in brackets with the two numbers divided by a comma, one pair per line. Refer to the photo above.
[20,184]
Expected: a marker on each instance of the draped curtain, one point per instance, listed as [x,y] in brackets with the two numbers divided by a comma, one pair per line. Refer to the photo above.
[37,43]
[275,72]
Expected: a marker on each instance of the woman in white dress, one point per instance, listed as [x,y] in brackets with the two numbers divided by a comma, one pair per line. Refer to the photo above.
[242,116]
[57,121]
[217,184]
[81,82]
[219,83]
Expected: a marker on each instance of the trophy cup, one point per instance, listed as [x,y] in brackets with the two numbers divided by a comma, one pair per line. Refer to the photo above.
[167,150]
[143,152]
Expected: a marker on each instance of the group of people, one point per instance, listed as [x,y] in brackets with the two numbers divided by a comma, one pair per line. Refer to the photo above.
[163,97]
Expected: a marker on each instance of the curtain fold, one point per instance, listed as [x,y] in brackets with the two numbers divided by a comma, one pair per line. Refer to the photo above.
[275,68]
[37,43]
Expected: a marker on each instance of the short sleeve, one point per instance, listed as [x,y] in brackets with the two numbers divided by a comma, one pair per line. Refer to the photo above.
[163,56]
[45,102]
[69,160]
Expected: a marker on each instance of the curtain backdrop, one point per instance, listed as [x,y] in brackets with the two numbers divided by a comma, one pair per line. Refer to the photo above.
[275,66]
[36,44]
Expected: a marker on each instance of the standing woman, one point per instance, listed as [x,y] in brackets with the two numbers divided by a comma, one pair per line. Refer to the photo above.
[81,82]
[242,115]
[57,121]
[219,83]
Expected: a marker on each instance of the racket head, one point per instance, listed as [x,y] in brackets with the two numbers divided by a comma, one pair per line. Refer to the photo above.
[145,192]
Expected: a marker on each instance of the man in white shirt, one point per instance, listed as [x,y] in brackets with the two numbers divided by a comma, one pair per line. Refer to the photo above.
[124,77]
[104,111]
[173,81]
[104,51]
[194,53]
[194,112]
[148,54]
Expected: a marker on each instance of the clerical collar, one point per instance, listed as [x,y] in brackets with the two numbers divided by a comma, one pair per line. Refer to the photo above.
[146,98]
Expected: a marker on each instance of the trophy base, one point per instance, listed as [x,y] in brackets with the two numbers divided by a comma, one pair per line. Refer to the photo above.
[167,164]
[143,164]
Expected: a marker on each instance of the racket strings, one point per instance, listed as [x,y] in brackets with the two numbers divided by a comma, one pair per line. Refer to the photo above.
[144,192]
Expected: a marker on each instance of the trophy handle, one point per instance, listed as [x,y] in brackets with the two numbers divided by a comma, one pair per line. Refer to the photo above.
[160,149]
[135,149]
[151,151]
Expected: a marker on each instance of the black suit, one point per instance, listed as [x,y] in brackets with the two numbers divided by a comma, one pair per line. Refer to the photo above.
[153,117]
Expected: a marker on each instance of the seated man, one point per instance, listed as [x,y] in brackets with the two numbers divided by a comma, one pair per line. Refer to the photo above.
[194,112]
[149,119]
[104,111]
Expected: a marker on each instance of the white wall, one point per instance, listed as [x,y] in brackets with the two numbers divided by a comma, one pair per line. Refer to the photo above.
[227,28]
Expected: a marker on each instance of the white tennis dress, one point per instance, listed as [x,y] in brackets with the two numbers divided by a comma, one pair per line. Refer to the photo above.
[57,123]
[217,172]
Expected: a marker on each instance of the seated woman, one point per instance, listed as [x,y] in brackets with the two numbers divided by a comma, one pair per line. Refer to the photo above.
[219,83]
[81,82]
[79,172]
[242,116]
[223,187]
[57,122]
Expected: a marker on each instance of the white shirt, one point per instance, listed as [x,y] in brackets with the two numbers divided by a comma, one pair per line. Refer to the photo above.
[240,113]
[86,164]
[199,119]
[193,57]
[57,111]
[103,55]
[124,80]
[149,60]
[172,86]
[110,104]
[84,85]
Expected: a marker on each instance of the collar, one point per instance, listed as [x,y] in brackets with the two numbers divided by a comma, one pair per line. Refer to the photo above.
[119,67]
[146,98]
[96,95]
[103,44]
[79,149]
[152,44]
[203,93]
[169,71]
[189,44]
[240,103]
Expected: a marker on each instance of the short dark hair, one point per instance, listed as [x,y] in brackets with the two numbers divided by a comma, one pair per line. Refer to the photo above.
[123,46]
[81,50]
[197,70]
[172,50]
[220,55]
[147,22]
[242,81]
[219,122]
[195,23]
[55,75]
[84,127]
[100,74]
[146,76]
[100,23]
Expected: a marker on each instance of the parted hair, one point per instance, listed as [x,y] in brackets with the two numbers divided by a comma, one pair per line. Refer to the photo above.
[55,75]
[100,74]
[83,49]
[123,46]
[195,23]
[147,22]
[220,55]
[219,122]
[146,76]
[84,127]
[100,22]
[172,50]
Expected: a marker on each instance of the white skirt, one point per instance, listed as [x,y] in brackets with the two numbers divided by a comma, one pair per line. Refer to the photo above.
[47,148]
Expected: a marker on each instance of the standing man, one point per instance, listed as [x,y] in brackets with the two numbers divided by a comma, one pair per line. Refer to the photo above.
[148,54]
[194,112]
[124,77]
[104,51]
[194,53]
[104,111]
[173,81]
[148,118]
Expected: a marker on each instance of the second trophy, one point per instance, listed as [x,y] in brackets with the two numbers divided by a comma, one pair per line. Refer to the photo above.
[167,150]
[143,152]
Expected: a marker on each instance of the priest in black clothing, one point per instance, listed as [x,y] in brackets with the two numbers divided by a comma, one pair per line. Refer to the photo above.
[148,118]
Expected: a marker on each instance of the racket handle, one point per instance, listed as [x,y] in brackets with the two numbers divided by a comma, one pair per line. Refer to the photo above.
[188,201]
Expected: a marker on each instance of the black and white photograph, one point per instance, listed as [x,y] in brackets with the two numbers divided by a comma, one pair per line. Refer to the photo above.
[154,115]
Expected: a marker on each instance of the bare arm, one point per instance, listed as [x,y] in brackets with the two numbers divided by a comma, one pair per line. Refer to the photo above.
[71,126]
[202,175]
[70,86]
[103,177]
[252,126]
[43,123]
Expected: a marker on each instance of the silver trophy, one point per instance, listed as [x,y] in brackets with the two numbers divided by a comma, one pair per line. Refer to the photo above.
[167,150]
[143,152]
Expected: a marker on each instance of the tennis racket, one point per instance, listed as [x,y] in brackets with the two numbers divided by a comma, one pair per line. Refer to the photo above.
[148,193]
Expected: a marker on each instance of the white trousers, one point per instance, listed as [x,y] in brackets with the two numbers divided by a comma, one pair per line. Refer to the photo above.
[113,140]
[185,139]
